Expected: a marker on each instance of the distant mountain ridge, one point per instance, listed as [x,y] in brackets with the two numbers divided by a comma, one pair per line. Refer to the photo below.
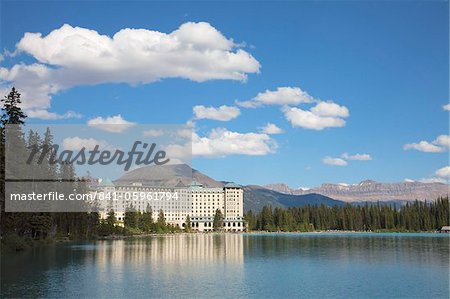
[166,175]
[255,197]
[369,190]
[281,195]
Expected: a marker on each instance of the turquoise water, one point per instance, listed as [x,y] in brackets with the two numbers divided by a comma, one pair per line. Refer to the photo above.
[318,265]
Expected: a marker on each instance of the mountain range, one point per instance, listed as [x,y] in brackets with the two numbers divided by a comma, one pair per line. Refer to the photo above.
[281,195]
[369,190]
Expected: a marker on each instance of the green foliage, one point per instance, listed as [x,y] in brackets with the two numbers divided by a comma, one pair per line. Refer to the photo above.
[14,242]
[161,226]
[12,112]
[416,216]
[188,224]
[131,217]
[218,220]
[145,220]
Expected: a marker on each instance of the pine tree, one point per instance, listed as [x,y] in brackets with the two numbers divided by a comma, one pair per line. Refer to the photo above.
[130,219]
[188,225]
[218,220]
[12,112]
[146,220]
[161,226]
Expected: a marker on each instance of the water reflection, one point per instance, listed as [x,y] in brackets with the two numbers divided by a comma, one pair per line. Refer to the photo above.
[351,248]
[234,265]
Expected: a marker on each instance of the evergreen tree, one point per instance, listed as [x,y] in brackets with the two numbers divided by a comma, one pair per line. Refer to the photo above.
[111,219]
[218,220]
[146,220]
[130,220]
[188,225]
[12,112]
[161,226]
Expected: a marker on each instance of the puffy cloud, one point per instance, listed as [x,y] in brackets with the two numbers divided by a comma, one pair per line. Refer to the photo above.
[36,82]
[330,109]
[112,124]
[185,133]
[44,114]
[77,143]
[334,161]
[72,56]
[442,140]
[442,175]
[423,146]
[322,115]
[358,157]
[446,107]
[221,142]
[318,118]
[345,157]
[271,129]
[440,144]
[153,133]
[443,172]
[223,113]
[432,180]
[281,96]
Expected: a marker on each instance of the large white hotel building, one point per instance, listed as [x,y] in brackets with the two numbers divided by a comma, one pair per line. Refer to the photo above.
[195,200]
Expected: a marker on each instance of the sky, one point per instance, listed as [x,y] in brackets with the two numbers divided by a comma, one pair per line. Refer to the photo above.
[298,92]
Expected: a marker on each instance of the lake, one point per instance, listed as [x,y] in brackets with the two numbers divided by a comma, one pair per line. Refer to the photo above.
[318,265]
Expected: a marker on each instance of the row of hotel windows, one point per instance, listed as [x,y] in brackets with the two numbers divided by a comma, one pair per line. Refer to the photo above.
[209,224]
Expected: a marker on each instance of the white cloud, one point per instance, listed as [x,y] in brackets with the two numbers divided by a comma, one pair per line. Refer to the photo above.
[440,144]
[442,175]
[221,142]
[357,157]
[72,56]
[112,124]
[423,146]
[322,115]
[223,113]
[153,133]
[185,133]
[443,172]
[446,107]
[44,114]
[77,143]
[443,140]
[432,180]
[313,119]
[281,96]
[330,109]
[334,161]
[271,129]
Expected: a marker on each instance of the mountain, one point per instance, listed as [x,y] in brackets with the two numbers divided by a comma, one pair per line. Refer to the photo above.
[166,175]
[255,197]
[371,191]
[281,195]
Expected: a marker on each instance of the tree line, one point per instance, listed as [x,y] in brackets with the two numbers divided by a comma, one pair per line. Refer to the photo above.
[416,216]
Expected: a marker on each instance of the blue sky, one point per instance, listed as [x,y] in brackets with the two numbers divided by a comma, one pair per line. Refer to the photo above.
[385,63]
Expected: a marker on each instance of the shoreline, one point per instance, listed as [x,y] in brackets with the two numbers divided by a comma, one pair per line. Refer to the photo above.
[337,232]
[45,243]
